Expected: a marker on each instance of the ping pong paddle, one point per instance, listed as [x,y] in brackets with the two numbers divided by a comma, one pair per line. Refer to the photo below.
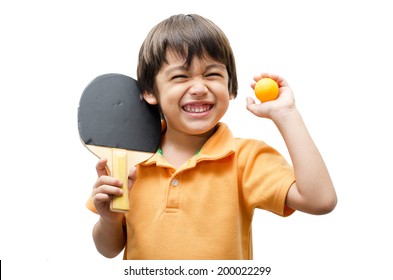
[115,123]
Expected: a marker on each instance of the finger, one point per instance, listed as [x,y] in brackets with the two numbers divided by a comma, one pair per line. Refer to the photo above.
[279,80]
[263,75]
[251,105]
[104,192]
[108,180]
[101,197]
[250,101]
[101,167]
[107,190]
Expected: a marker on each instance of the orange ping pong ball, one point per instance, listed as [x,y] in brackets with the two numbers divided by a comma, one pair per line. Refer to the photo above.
[266,89]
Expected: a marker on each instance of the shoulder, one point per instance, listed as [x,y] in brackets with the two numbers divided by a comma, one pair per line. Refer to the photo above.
[246,150]
[257,156]
[245,146]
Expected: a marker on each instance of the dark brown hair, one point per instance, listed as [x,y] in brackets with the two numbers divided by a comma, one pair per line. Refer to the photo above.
[187,36]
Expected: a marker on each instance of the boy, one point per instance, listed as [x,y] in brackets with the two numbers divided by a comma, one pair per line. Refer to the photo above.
[195,198]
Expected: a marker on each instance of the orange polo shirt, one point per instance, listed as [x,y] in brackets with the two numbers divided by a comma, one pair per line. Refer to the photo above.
[204,209]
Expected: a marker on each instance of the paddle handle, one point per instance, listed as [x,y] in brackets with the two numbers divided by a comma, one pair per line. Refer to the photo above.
[120,172]
[118,163]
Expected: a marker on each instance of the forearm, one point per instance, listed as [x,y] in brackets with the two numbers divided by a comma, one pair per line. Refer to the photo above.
[314,191]
[109,238]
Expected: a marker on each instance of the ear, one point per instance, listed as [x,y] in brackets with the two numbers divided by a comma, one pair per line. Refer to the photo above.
[150,98]
[231,96]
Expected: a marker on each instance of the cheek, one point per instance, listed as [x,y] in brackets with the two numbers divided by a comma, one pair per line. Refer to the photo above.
[170,96]
[224,94]
[169,106]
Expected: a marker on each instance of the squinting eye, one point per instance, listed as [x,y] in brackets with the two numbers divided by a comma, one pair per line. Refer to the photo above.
[213,74]
[179,77]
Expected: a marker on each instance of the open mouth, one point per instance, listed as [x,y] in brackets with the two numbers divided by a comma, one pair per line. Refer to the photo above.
[197,108]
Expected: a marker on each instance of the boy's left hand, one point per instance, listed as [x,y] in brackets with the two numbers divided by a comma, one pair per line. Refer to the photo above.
[275,109]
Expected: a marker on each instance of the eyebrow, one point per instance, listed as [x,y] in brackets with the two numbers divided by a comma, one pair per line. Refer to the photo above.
[184,67]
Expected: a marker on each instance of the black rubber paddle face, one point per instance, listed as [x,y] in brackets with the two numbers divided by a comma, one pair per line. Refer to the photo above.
[112,114]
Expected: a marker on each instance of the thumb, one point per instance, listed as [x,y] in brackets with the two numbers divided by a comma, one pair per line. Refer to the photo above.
[251,105]
[101,168]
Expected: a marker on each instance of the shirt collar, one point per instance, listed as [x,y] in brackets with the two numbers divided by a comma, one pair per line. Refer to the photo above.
[219,145]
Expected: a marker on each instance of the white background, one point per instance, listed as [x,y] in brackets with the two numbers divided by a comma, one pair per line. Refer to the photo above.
[337,57]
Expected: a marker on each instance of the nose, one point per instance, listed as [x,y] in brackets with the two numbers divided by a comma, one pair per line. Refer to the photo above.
[198,87]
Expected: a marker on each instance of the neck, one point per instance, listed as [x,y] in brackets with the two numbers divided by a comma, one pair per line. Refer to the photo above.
[177,148]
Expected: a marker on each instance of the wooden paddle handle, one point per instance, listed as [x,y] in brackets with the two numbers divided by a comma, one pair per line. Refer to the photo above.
[118,163]
[120,172]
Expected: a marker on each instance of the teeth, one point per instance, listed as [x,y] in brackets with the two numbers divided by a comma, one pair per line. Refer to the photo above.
[196,108]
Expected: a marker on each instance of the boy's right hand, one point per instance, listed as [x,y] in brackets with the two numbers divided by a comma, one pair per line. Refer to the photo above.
[105,187]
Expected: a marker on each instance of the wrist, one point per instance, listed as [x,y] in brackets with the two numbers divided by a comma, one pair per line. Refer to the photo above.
[111,222]
[285,116]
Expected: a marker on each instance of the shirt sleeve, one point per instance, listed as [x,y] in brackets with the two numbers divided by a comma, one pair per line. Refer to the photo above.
[90,205]
[266,177]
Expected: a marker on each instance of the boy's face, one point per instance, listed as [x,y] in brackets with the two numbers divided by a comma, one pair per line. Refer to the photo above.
[193,99]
